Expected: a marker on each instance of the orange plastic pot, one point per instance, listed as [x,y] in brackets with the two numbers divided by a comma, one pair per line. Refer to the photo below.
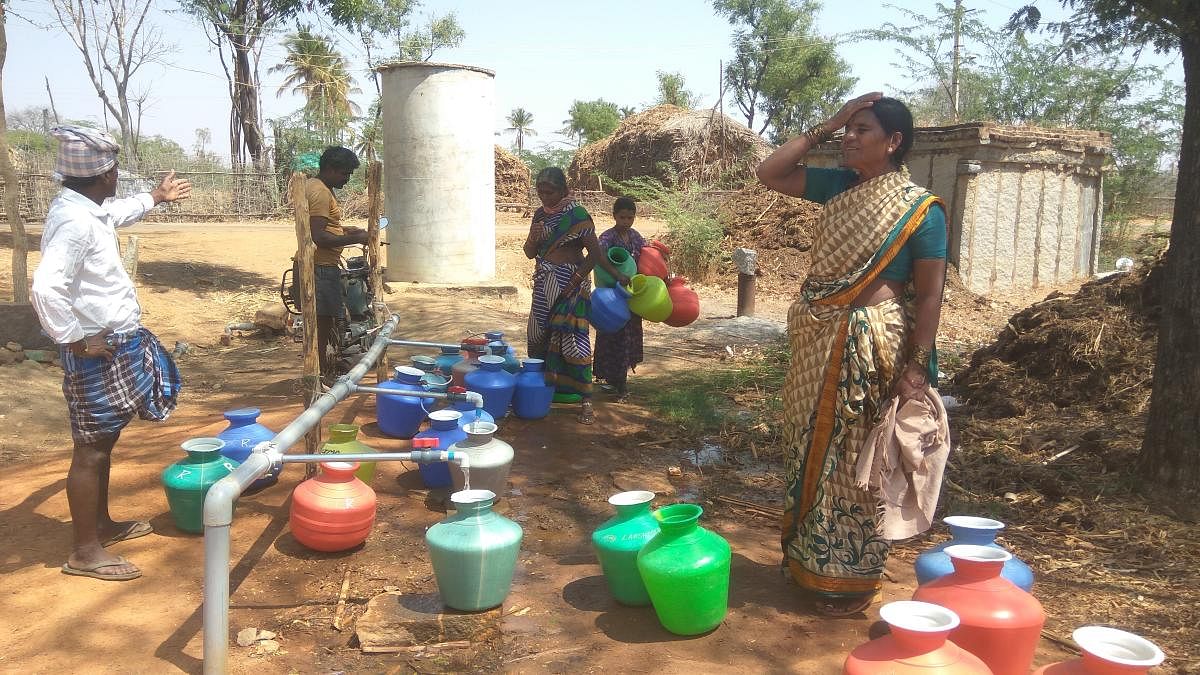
[917,645]
[333,511]
[652,261]
[685,304]
[1107,651]
[999,622]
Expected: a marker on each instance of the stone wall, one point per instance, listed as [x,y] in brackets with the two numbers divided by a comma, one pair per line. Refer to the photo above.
[1025,202]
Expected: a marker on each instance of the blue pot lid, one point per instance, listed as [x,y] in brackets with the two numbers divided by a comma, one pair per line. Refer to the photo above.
[409,373]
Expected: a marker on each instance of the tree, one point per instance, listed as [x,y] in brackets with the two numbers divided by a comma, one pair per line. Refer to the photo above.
[12,211]
[200,146]
[371,20]
[1169,463]
[783,75]
[115,41]
[316,71]
[627,110]
[673,90]
[369,138]
[589,121]
[521,123]
[536,161]
[438,33]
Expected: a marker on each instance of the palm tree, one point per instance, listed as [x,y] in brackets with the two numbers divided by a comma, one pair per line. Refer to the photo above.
[522,124]
[318,72]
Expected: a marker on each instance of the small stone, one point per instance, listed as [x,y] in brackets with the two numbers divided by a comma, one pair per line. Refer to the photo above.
[247,636]
[8,358]
[39,355]
[266,635]
[273,316]
[268,646]
[14,347]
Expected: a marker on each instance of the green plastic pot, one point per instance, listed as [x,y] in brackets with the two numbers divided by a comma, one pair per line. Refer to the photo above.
[649,298]
[188,480]
[686,571]
[343,440]
[620,259]
[618,541]
[474,552]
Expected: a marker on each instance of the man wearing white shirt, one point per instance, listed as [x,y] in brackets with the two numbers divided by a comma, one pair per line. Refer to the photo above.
[113,368]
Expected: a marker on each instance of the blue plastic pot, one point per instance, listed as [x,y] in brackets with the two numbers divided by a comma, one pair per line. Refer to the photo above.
[495,385]
[443,425]
[243,433]
[532,397]
[609,309]
[401,416]
[970,530]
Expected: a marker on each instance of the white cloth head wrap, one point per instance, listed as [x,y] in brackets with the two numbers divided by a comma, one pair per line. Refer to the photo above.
[84,152]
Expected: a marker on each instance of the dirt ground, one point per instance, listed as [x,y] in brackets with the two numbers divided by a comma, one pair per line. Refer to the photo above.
[196,278]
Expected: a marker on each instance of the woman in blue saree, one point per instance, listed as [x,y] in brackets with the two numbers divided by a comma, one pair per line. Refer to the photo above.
[562,241]
[861,333]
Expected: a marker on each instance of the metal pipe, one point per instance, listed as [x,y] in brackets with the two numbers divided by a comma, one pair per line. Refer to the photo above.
[218,503]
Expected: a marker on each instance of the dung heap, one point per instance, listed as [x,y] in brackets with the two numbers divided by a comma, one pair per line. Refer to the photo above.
[512,179]
[673,145]
[779,228]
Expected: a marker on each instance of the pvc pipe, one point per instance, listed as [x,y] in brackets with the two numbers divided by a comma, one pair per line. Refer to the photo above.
[218,502]
[430,345]
[474,396]
[418,456]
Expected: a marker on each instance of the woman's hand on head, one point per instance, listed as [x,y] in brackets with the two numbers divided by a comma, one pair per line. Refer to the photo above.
[842,118]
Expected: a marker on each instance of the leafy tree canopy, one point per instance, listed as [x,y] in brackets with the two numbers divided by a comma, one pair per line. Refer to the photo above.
[672,89]
[784,76]
[589,121]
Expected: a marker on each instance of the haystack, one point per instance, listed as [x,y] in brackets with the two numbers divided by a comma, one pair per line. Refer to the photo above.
[673,145]
[512,179]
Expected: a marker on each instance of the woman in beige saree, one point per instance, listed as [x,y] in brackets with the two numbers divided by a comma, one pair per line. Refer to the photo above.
[861,332]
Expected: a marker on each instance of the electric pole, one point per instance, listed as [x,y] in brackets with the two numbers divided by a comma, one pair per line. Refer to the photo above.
[954,67]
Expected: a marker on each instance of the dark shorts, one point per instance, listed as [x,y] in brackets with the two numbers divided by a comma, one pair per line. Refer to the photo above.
[328,281]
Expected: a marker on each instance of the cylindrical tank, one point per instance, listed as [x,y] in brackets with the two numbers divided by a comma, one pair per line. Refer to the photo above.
[439,172]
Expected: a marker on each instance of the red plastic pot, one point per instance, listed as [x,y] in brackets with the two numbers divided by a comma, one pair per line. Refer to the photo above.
[917,645]
[999,622]
[652,261]
[1107,651]
[685,304]
[333,511]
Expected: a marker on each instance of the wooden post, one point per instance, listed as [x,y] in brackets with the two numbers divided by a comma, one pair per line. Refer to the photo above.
[374,207]
[746,261]
[311,377]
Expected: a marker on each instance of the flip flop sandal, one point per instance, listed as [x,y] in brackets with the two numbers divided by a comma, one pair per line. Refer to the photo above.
[92,570]
[138,528]
[839,609]
[587,416]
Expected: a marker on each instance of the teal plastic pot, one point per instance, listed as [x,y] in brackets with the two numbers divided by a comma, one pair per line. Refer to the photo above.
[686,571]
[618,541]
[474,552]
[188,480]
[620,259]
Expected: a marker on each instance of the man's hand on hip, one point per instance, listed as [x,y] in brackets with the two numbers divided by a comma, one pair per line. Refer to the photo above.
[94,346]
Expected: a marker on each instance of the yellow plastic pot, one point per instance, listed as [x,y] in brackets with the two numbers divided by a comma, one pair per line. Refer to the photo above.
[649,298]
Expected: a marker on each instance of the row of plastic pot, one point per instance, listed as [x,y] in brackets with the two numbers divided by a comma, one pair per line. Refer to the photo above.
[670,302]
[974,621]
[651,262]
[973,613]
[665,559]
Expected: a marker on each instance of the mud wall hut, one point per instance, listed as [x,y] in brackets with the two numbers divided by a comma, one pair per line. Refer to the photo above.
[1025,202]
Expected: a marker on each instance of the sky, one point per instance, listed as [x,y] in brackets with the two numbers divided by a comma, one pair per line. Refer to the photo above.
[545,56]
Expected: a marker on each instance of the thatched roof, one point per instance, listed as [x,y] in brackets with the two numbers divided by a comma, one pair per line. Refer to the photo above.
[673,145]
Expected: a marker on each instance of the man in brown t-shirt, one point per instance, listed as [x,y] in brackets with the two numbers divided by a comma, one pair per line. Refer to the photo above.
[329,236]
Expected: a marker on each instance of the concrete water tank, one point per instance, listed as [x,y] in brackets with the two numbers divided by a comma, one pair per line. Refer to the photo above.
[439,172]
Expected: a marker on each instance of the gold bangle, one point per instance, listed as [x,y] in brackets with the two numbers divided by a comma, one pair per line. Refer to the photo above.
[921,356]
[817,134]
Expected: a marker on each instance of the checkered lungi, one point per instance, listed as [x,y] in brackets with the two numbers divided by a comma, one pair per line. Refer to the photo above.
[103,396]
